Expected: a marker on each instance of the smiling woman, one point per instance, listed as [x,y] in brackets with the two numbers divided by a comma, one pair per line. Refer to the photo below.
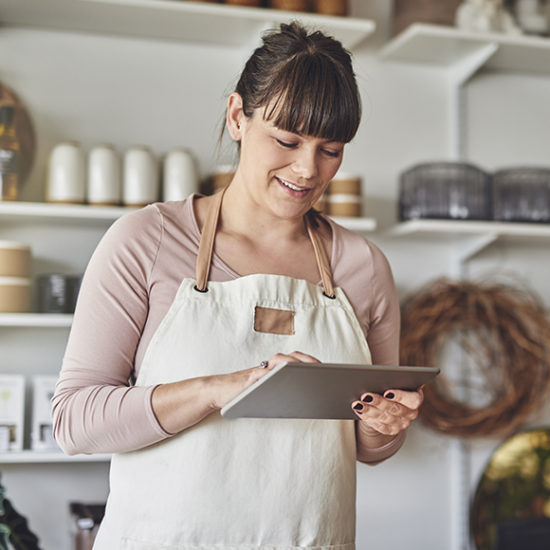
[185,304]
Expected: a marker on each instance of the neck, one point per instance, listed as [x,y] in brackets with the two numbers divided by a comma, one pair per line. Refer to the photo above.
[242,215]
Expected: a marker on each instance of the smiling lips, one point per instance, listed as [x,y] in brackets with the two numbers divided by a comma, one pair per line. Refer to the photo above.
[292,188]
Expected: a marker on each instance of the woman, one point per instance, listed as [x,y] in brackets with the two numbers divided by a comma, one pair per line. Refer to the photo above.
[180,297]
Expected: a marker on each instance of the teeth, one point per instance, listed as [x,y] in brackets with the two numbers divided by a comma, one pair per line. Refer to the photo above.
[291,186]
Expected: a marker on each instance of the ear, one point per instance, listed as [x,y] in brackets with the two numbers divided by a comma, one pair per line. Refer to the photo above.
[235,116]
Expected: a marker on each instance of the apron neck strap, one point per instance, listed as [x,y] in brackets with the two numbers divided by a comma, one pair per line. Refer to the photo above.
[206,249]
[206,245]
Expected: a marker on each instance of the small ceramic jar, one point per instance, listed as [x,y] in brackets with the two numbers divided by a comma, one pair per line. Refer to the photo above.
[104,176]
[140,180]
[180,175]
[66,176]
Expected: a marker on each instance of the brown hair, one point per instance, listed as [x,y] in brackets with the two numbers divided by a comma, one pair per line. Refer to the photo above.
[305,83]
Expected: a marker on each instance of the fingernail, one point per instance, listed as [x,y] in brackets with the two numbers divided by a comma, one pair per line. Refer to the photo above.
[367,398]
[358,407]
[389,395]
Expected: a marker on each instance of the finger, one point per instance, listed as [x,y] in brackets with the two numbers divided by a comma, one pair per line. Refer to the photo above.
[304,357]
[375,424]
[277,359]
[387,410]
[410,399]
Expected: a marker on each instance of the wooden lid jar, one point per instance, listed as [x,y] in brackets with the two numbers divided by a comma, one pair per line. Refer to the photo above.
[331,7]
[15,259]
[289,5]
[345,205]
[344,198]
[345,184]
[15,294]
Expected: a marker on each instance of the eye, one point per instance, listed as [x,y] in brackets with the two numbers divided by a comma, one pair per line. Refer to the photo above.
[286,144]
[331,154]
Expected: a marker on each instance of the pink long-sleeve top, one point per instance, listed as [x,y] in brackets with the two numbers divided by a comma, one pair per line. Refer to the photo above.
[128,287]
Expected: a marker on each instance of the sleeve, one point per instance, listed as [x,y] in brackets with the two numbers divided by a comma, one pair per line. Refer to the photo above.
[95,408]
[383,337]
[385,316]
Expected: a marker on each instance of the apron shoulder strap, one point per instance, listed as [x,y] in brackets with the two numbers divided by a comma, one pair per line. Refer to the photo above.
[323,262]
[206,249]
[206,246]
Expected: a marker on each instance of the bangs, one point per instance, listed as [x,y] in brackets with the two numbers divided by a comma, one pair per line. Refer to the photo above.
[310,96]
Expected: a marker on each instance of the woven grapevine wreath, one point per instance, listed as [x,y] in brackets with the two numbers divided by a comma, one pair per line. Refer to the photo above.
[502,335]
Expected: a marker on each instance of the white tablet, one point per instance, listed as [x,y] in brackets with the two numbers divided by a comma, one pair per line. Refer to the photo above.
[321,390]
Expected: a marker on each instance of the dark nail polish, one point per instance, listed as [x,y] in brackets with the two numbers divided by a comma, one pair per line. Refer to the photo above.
[368,398]
[389,395]
[358,407]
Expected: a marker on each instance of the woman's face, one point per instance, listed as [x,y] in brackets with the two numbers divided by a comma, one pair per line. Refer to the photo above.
[284,171]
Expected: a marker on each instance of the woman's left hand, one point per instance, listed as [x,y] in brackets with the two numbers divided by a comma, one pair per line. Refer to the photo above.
[389,414]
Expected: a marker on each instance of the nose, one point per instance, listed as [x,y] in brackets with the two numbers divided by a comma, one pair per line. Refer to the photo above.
[305,163]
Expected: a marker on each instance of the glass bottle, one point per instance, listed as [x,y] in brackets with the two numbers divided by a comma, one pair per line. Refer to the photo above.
[9,155]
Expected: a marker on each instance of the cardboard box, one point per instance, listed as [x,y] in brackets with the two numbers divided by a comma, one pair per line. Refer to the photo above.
[43,387]
[12,412]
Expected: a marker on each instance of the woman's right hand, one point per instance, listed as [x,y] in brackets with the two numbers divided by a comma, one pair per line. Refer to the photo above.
[227,386]
[180,405]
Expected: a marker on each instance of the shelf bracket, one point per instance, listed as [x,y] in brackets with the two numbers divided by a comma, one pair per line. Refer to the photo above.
[459,74]
[466,249]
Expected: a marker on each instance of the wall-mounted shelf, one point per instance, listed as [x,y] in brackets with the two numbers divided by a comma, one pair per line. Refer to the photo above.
[36,320]
[471,237]
[48,457]
[180,21]
[360,225]
[69,213]
[448,47]
[60,212]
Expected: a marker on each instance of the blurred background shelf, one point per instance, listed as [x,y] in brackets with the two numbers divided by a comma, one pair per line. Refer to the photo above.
[48,457]
[36,320]
[361,225]
[171,20]
[449,228]
[448,47]
[60,212]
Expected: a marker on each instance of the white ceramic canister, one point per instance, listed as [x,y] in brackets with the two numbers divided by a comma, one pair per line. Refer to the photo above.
[15,259]
[15,294]
[66,179]
[140,182]
[104,176]
[180,175]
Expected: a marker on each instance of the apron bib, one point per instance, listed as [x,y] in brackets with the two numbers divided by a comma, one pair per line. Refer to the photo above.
[243,484]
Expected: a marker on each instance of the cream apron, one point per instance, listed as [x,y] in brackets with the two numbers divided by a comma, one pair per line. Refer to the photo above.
[244,484]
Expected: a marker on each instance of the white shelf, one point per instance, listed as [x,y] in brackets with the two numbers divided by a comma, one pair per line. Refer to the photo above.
[82,213]
[36,320]
[448,47]
[173,20]
[456,228]
[60,212]
[48,457]
[468,238]
[360,225]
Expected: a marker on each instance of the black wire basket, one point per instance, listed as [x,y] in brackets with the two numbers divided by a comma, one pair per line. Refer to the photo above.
[522,195]
[445,190]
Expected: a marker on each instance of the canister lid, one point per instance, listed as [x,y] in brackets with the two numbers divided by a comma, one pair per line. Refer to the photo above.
[15,281]
[14,245]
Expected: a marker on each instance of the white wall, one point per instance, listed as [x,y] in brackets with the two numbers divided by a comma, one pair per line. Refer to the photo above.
[77,87]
